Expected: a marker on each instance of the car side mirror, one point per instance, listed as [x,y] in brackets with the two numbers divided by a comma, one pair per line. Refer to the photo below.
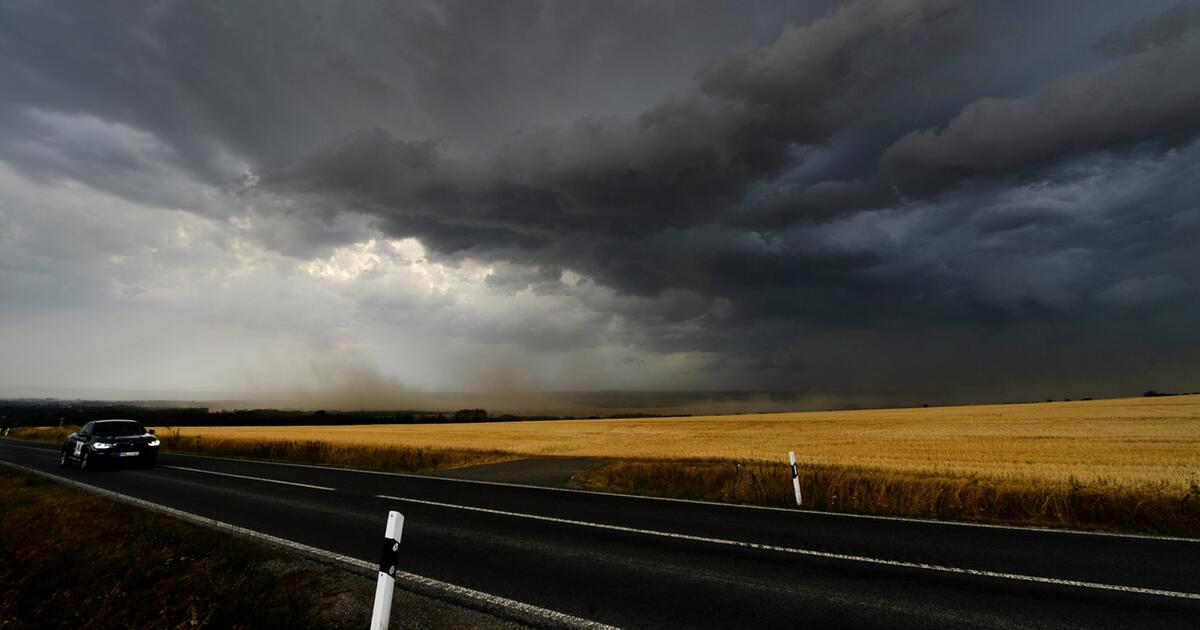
[150,431]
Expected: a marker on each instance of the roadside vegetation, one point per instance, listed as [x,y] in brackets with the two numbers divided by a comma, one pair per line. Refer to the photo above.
[69,559]
[392,458]
[1163,508]
[1127,464]
[1120,442]
[389,457]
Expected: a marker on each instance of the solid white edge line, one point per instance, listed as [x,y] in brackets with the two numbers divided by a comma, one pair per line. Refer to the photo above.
[225,474]
[620,528]
[819,513]
[812,552]
[461,595]
[742,506]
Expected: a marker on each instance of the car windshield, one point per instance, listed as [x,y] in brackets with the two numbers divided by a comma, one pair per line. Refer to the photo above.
[118,429]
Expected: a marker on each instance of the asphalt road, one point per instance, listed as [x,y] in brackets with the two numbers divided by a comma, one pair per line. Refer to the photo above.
[636,562]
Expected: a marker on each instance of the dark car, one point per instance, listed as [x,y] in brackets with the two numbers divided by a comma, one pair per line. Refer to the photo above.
[110,442]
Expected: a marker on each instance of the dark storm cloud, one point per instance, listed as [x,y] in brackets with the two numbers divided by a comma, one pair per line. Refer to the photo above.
[270,81]
[129,97]
[1152,97]
[1162,30]
[619,198]
[252,79]
[856,193]
[544,279]
[771,198]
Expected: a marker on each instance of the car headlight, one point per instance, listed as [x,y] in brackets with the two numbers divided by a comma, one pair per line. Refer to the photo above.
[152,443]
[101,445]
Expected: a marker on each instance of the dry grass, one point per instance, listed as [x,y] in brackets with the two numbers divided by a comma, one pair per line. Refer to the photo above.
[1123,442]
[395,458]
[1145,508]
[72,560]
[44,434]
[69,559]
[1128,464]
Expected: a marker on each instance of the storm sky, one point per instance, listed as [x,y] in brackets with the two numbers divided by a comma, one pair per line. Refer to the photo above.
[868,201]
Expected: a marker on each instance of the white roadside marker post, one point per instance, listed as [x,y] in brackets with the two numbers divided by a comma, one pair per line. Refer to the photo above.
[388,559]
[795,476]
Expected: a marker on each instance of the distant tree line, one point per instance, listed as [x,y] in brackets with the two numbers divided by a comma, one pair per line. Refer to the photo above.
[50,412]
[17,413]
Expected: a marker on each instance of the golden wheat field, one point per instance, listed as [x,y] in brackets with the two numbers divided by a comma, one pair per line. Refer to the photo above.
[1120,441]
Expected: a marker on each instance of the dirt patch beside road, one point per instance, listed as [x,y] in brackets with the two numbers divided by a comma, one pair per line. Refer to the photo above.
[554,472]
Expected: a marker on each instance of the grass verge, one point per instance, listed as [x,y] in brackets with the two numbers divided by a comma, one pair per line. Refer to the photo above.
[1148,508]
[390,458]
[68,559]
[71,559]
[1154,509]
[386,458]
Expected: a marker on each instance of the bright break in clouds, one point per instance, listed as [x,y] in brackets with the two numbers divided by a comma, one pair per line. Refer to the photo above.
[865,201]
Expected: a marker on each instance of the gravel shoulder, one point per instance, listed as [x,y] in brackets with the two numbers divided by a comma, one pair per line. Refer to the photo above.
[554,472]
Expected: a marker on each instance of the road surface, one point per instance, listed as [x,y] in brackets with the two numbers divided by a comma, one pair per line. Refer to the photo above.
[637,562]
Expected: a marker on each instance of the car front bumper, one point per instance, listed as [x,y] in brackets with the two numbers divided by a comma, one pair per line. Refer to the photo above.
[141,454]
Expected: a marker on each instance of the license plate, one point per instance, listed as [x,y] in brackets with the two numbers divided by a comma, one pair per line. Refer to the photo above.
[128,454]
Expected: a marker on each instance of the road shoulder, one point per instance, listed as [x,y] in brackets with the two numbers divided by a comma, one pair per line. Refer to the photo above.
[186,574]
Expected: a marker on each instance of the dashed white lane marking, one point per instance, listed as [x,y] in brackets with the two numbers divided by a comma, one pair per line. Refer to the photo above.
[213,472]
[812,552]
[739,543]
[526,613]
[1027,529]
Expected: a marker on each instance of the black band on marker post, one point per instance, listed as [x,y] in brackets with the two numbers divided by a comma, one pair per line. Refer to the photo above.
[389,556]
[794,472]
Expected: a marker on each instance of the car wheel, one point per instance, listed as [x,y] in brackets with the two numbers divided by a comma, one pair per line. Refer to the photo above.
[64,460]
[148,462]
[85,464]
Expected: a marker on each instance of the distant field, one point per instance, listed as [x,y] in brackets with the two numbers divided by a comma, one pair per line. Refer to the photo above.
[1128,464]
[1121,442]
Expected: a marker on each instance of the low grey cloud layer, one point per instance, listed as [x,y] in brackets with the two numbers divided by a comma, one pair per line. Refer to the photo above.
[1151,98]
[880,201]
